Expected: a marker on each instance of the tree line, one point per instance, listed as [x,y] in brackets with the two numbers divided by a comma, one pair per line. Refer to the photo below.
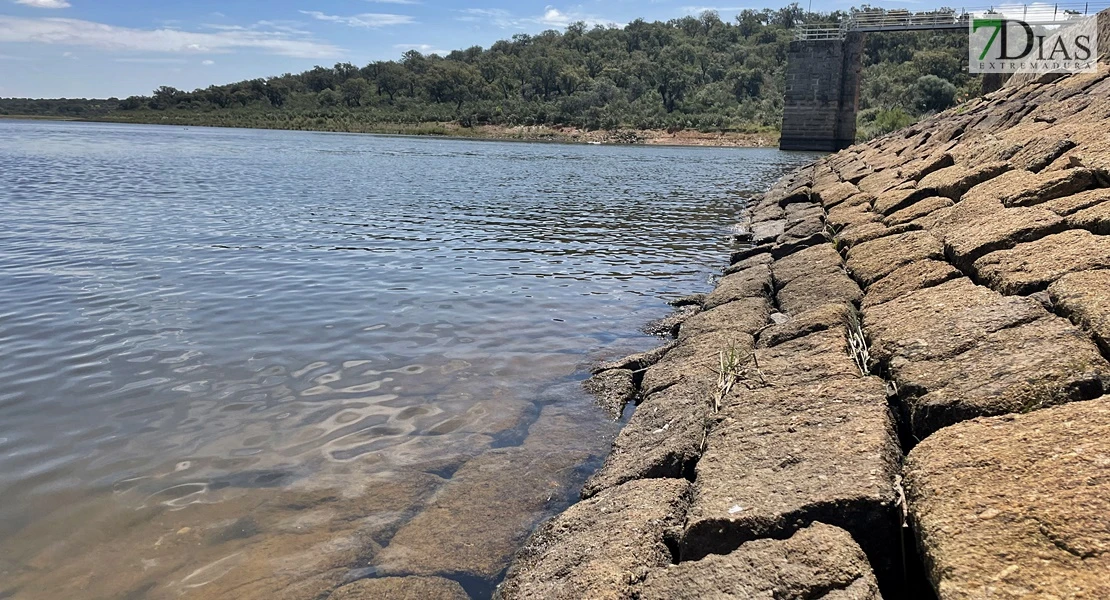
[701,72]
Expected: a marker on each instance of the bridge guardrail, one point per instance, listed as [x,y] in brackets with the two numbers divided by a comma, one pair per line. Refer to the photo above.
[904,20]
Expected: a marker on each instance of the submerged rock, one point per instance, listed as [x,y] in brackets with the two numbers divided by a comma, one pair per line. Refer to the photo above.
[401,588]
[613,389]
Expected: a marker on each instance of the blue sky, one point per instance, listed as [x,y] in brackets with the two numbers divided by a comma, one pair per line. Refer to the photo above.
[102,48]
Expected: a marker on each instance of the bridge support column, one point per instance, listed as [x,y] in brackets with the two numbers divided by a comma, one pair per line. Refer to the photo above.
[822,94]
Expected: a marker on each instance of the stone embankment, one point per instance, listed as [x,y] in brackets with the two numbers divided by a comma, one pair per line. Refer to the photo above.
[898,386]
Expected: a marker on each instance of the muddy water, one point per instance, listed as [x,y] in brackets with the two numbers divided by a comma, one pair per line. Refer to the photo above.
[259,364]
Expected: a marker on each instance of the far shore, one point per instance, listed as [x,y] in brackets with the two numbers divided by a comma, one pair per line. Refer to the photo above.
[536,133]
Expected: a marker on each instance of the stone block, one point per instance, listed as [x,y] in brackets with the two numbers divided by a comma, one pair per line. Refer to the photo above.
[754,282]
[746,315]
[612,390]
[1015,507]
[805,293]
[812,261]
[1003,229]
[819,561]
[952,182]
[837,194]
[694,359]
[1025,368]
[908,278]
[827,316]
[662,440]
[1095,219]
[1084,297]
[781,458]
[917,210]
[603,546]
[871,261]
[1033,266]
[1077,202]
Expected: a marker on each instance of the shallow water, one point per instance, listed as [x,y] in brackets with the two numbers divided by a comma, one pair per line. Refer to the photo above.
[259,364]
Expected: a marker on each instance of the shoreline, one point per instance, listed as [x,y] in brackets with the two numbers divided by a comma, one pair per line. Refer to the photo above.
[562,135]
[902,384]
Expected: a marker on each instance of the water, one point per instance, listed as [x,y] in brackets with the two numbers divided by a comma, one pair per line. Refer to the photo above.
[256,364]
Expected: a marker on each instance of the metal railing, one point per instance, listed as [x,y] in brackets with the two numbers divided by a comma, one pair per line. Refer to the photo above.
[904,20]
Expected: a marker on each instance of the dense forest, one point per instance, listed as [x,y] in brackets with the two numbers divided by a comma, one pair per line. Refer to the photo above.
[702,73]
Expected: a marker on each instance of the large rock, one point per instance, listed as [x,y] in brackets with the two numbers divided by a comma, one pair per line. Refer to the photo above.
[601,547]
[612,389]
[1077,202]
[826,316]
[917,210]
[1095,219]
[871,261]
[401,588]
[753,282]
[1001,230]
[746,315]
[694,359]
[1025,368]
[780,458]
[1024,188]
[481,516]
[479,519]
[908,278]
[806,293]
[663,439]
[899,198]
[843,216]
[1033,266]
[819,561]
[958,350]
[812,358]
[952,182]
[1085,298]
[1016,506]
[837,194]
[815,260]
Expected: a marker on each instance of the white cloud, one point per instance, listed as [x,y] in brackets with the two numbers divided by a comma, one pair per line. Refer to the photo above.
[368,20]
[44,3]
[76,32]
[551,17]
[208,63]
[152,61]
[720,10]
[422,48]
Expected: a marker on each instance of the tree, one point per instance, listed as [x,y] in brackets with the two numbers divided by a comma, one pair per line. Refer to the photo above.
[355,91]
[392,78]
[931,93]
[165,97]
[328,97]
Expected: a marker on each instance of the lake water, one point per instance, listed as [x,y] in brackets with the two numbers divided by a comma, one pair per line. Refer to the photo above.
[260,364]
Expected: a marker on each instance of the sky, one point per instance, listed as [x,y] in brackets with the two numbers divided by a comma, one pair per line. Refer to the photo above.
[118,48]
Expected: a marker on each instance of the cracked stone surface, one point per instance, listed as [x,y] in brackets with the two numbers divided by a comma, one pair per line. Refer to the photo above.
[819,561]
[1016,506]
[603,546]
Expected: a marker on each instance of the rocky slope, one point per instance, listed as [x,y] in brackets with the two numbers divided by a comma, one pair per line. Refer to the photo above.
[899,385]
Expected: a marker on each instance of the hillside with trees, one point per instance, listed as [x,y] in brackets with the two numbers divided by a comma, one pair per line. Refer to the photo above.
[698,73]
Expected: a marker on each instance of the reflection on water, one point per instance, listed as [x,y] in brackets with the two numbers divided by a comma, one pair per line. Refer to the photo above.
[261,364]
